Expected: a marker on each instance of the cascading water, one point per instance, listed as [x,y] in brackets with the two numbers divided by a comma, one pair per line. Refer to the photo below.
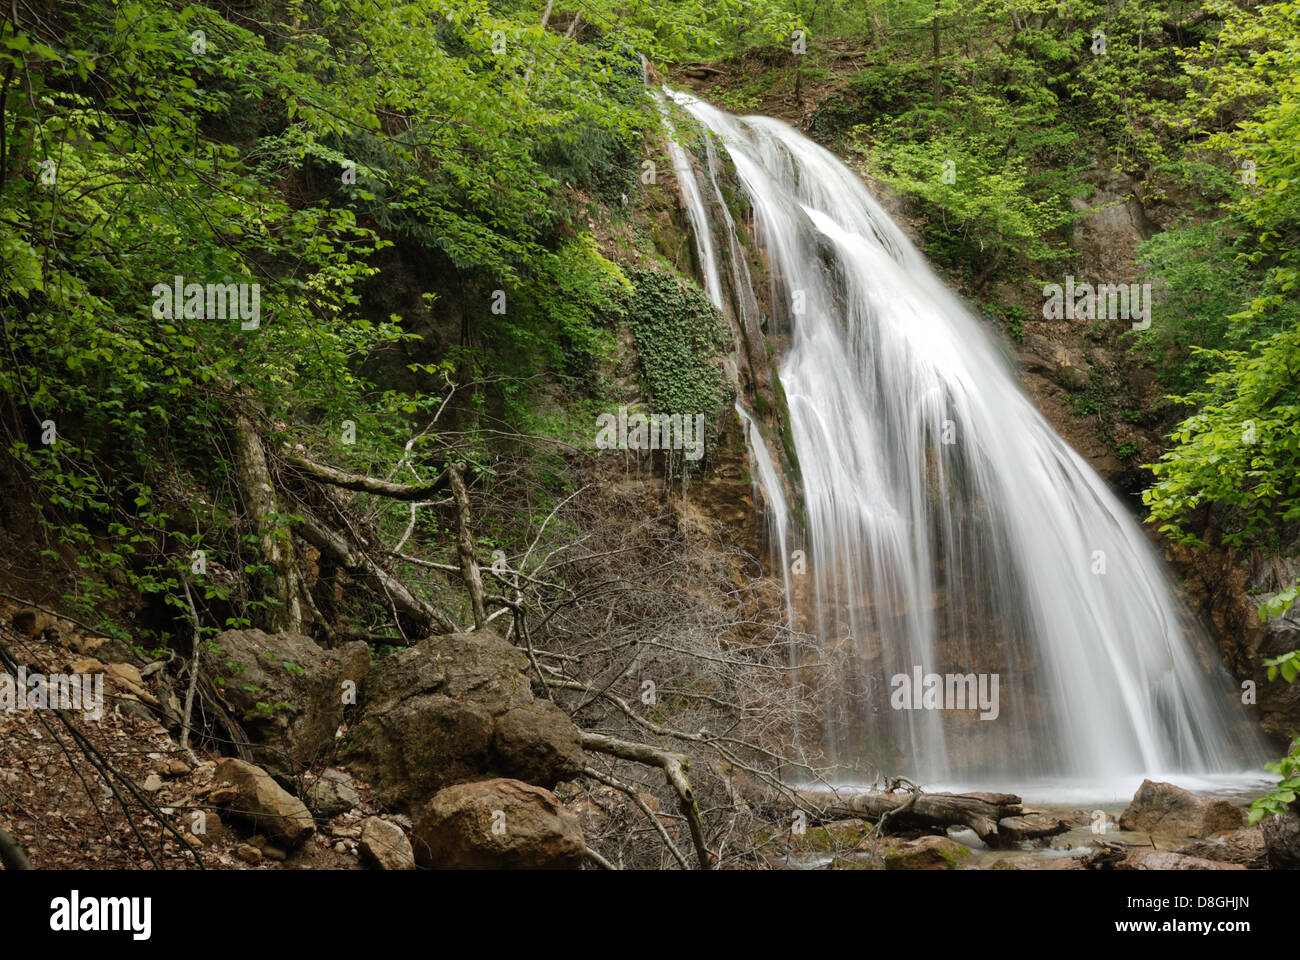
[948,529]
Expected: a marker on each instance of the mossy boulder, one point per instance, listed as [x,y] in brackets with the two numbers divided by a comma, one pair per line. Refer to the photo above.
[926,853]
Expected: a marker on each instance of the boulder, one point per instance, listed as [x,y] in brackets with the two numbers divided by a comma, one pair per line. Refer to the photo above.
[833,836]
[452,708]
[1148,858]
[1246,846]
[1281,834]
[332,793]
[497,824]
[287,692]
[384,846]
[253,796]
[1167,810]
[537,743]
[1028,828]
[926,853]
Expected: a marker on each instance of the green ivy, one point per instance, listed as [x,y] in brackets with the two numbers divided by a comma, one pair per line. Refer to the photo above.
[679,335]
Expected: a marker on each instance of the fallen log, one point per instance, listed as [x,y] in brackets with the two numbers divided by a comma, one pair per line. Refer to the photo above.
[979,811]
[982,812]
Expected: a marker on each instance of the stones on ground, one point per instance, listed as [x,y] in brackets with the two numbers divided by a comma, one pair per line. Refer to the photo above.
[1168,810]
[255,797]
[127,678]
[287,691]
[384,846]
[451,708]
[495,824]
[152,783]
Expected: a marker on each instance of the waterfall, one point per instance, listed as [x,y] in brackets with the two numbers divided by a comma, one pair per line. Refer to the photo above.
[948,529]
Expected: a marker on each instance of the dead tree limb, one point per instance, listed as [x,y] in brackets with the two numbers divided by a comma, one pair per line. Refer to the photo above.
[194,675]
[359,483]
[599,860]
[674,766]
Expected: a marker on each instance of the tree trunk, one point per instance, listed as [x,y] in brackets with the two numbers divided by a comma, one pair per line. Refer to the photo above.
[465,546]
[284,611]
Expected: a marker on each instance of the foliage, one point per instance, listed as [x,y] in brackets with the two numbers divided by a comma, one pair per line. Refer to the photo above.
[987,205]
[144,141]
[1202,285]
[1241,447]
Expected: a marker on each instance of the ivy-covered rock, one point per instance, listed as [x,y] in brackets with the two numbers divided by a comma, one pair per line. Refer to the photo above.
[680,337]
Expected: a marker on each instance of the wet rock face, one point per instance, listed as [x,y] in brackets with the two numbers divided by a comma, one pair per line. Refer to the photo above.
[497,824]
[1229,589]
[287,692]
[457,707]
[1164,809]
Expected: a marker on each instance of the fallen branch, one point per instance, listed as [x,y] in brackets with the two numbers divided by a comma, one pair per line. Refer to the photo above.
[649,814]
[674,766]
